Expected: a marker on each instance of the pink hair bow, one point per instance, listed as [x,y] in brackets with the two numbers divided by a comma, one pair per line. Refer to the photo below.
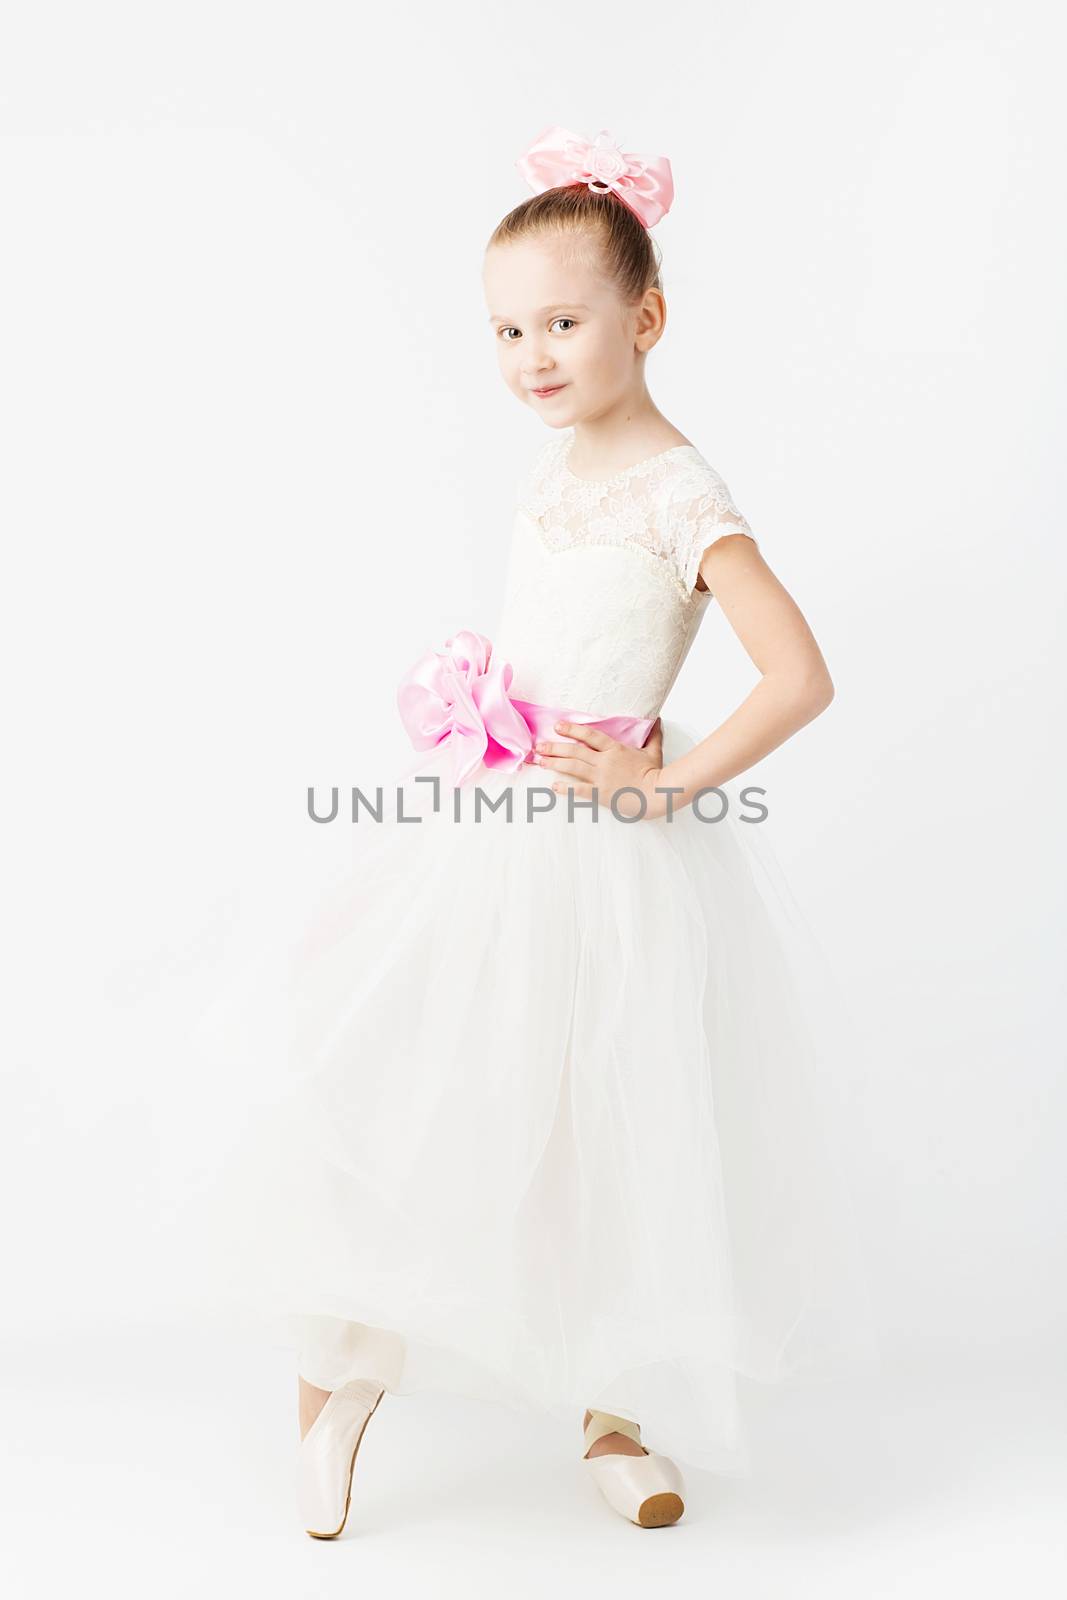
[461,694]
[558,157]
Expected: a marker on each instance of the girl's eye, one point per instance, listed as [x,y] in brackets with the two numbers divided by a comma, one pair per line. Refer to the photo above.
[503,332]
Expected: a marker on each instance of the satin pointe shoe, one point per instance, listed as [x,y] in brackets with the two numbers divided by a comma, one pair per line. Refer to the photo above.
[327,1456]
[648,1489]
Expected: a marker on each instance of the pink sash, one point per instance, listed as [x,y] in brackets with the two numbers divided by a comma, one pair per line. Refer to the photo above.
[459,696]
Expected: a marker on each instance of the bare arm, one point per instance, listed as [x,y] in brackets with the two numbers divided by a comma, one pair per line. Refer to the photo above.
[795,685]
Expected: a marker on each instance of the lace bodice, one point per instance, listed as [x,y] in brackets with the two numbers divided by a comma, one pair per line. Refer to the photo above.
[601,605]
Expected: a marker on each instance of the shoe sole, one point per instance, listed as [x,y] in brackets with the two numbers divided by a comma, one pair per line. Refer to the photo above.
[660,1510]
[351,1468]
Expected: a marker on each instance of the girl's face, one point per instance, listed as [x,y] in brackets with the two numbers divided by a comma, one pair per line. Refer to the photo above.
[560,328]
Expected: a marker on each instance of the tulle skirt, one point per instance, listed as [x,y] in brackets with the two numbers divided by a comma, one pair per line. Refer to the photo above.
[551,1132]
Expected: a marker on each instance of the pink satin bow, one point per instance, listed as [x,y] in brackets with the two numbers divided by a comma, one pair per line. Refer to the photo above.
[558,157]
[459,696]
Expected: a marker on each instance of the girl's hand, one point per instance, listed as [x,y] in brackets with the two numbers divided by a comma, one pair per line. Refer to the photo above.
[599,762]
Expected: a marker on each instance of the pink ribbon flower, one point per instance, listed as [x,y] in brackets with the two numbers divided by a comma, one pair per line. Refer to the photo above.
[460,694]
[558,157]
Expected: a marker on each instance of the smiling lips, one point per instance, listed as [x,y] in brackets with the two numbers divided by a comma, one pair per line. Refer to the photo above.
[553,390]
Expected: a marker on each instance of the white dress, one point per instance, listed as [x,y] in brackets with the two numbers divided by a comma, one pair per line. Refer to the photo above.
[553,1137]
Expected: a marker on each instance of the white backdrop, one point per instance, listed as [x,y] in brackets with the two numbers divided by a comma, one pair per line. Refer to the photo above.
[257,457]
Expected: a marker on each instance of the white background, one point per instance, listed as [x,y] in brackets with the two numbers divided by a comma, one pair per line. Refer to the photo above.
[256,457]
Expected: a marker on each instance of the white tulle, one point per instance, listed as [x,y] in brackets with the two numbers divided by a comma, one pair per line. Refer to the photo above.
[552,1135]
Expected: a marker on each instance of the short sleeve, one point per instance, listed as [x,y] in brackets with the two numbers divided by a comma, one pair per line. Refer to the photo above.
[704,513]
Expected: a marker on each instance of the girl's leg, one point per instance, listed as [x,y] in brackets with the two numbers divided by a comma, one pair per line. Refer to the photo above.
[334,1351]
[312,1400]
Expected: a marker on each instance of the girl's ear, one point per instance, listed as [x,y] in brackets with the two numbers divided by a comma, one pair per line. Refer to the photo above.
[651,319]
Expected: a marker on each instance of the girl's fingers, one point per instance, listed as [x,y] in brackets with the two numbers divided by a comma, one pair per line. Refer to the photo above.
[562,769]
[595,738]
[567,761]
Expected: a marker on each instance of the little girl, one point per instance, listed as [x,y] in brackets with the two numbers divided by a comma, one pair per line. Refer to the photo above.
[556,1142]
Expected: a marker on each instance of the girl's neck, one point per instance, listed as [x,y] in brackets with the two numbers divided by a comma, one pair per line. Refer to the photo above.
[608,444]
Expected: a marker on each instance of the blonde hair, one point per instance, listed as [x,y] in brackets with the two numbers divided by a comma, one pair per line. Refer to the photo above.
[626,253]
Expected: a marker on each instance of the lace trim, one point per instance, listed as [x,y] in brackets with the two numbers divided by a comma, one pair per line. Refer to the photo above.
[672,505]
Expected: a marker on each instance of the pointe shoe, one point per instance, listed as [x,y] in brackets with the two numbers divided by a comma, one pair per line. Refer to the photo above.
[648,1489]
[327,1456]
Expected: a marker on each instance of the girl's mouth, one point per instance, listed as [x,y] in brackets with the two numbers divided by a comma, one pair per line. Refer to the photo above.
[542,393]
